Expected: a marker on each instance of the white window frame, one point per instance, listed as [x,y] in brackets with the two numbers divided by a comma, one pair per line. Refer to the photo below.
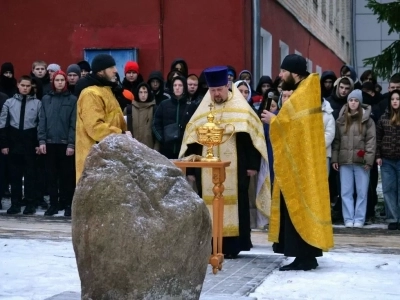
[318,69]
[266,53]
[309,65]
[297,52]
[284,49]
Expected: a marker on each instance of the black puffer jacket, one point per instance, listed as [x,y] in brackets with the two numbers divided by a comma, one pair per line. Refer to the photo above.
[169,112]
[327,75]
[160,95]
[336,104]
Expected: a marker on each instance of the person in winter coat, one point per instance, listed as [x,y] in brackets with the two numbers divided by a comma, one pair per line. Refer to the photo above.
[388,158]
[327,80]
[3,161]
[265,83]
[85,68]
[348,71]
[98,111]
[171,118]
[40,73]
[231,76]
[170,76]
[179,64]
[132,77]
[353,155]
[18,140]
[73,75]
[244,89]
[156,83]
[56,135]
[329,126]
[140,116]
[8,83]
[342,88]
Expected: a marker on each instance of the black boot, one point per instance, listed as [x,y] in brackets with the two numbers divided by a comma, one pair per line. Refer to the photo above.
[392,226]
[22,202]
[290,266]
[51,211]
[301,264]
[30,208]
[42,203]
[15,208]
[67,211]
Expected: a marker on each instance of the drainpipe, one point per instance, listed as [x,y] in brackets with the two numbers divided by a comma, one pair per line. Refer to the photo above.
[354,37]
[256,53]
[161,35]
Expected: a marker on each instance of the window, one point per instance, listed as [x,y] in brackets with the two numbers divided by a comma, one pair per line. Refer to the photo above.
[309,66]
[323,10]
[121,56]
[284,50]
[318,69]
[315,4]
[297,52]
[266,52]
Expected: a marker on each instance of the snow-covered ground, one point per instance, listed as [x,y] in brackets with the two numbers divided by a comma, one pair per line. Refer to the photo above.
[37,269]
[339,276]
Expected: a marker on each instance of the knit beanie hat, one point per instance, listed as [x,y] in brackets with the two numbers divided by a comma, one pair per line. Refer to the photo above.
[53,67]
[101,62]
[74,68]
[356,94]
[131,66]
[296,64]
[7,67]
[84,65]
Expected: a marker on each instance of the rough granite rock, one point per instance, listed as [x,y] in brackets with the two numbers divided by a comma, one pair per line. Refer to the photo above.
[139,230]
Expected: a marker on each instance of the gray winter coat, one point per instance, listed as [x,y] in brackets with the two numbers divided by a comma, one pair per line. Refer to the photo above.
[12,109]
[57,119]
[346,145]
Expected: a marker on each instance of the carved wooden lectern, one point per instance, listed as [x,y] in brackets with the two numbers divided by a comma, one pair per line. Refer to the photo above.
[218,178]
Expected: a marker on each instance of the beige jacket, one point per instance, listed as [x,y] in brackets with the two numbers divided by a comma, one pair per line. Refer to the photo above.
[346,145]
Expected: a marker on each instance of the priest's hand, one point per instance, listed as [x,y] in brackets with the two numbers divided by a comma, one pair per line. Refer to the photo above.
[335,166]
[267,116]
[251,173]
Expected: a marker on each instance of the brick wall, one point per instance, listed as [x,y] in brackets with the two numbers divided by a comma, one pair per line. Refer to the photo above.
[327,20]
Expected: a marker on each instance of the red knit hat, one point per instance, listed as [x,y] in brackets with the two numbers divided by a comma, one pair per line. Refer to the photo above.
[131,66]
[54,76]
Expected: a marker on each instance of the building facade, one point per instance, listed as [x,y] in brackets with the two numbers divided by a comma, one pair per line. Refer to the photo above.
[155,32]
[370,37]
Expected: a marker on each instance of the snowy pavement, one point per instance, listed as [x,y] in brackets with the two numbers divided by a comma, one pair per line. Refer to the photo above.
[37,261]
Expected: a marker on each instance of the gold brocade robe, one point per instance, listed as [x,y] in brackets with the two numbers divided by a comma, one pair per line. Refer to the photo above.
[234,111]
[98,115]
[298,142]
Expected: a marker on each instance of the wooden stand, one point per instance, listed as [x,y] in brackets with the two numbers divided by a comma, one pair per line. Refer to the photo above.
[218,178]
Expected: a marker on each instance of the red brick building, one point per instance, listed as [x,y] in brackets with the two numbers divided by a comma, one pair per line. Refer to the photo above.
[204,33]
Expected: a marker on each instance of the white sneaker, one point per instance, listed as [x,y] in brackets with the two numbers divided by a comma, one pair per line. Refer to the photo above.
[348,224]
[358,225]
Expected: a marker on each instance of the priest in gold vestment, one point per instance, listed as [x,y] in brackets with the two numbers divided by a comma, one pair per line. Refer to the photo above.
[246,151]
[300,222]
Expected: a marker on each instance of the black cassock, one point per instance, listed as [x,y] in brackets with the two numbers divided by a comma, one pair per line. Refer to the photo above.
[290,242]
[248,159]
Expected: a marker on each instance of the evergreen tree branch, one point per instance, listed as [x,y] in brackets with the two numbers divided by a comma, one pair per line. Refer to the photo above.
[388,12]
[388,61]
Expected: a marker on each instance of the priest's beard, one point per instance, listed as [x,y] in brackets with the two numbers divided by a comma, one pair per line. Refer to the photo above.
[289,84]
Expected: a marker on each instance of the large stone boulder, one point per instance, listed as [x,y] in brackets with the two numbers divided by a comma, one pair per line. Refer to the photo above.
[139,230]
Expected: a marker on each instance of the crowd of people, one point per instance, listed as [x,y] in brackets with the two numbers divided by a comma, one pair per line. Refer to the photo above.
[50,119]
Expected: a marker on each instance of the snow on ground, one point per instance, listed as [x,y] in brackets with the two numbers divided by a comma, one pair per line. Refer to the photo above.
[37,269]
[339,276]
